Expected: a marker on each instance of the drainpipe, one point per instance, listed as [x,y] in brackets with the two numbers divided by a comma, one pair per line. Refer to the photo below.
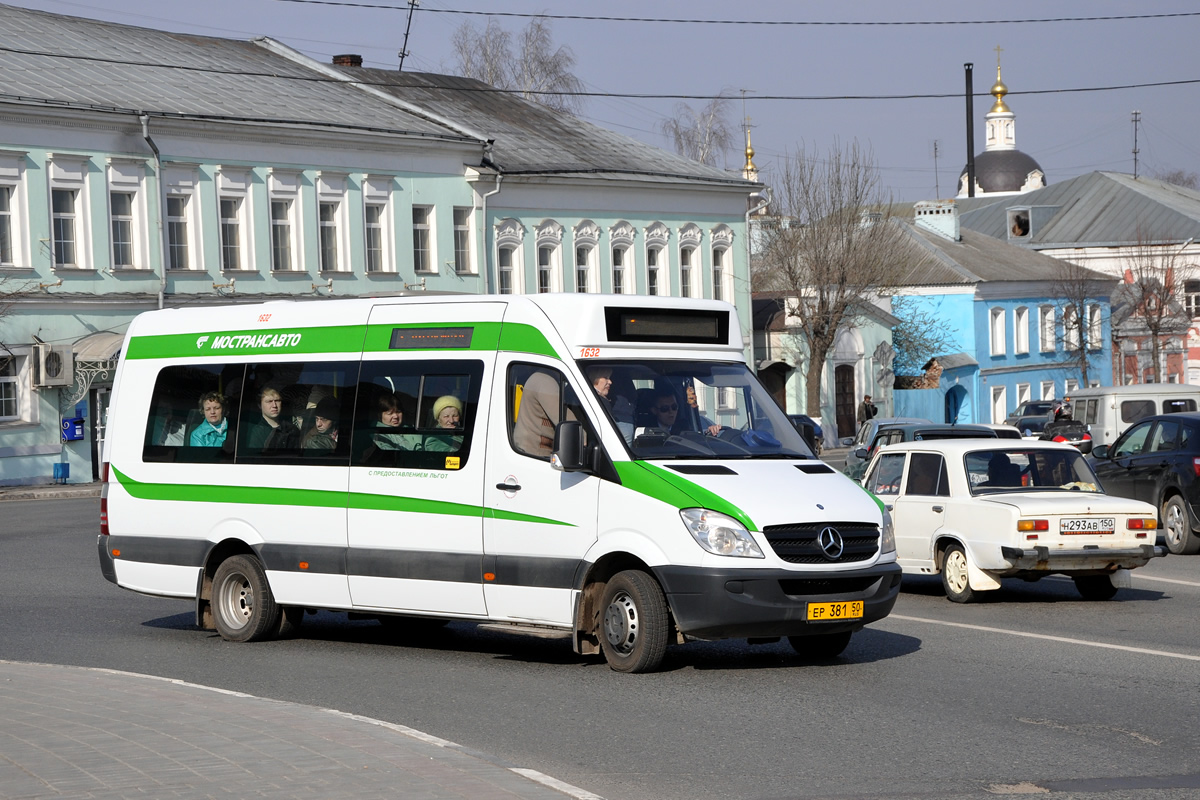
[487,251]
[766,201]
[162,281]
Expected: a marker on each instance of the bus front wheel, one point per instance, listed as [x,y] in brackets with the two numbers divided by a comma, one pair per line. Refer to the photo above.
[634,623]
[243,607]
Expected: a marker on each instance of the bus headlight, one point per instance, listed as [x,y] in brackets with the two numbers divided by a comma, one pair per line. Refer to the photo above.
[887,536]
[720,534]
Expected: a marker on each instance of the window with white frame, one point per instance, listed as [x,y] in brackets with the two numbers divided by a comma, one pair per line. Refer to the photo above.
[1071,328]
[463,263]
[178,255]
[233,212]
[10,404]
[1191,298]
[283,188]
[331,223]
[377,224]
[182,220]
[999,404]
[653,286]
[996,331]
[505,269]
[13,247]
[722,263]
[1094,328]
[686,256]
[1022,393]
[1047,390]
[1021,330]
[1046,324]
[231,232]
[128,240]
[621,258]
[586,237]
[1071,386]
[422,236]
[549,236]
[70,232]
[657,236]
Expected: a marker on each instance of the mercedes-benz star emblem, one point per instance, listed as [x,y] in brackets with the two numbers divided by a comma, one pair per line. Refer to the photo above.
[831,543]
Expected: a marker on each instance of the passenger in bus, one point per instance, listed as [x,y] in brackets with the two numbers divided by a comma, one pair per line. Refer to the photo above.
[390,428]
[323,435]
[272,431]
[447,414]
[618,406]
[537,415]
[211,432]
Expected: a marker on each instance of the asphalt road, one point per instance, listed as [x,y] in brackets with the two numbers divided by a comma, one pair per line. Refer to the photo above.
[1033,689]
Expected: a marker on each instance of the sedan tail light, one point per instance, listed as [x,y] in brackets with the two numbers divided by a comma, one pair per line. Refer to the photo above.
[1196,466]
[1059,438]
[1033,524]
[1141,523]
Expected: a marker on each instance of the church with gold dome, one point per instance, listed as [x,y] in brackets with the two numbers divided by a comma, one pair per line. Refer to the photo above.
[1001,168]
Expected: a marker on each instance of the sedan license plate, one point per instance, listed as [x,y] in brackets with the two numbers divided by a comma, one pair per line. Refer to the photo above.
[835,612]
[1073,525]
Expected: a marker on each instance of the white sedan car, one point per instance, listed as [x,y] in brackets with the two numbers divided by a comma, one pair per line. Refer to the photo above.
[978,510]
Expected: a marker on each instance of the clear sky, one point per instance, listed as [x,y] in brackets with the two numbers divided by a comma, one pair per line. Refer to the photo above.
[1069,133]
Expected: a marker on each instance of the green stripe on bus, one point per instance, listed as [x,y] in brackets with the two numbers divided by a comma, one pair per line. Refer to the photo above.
[314,498]
[674,489]
[486,336]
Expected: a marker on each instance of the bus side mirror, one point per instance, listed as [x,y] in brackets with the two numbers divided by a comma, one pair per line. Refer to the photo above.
[568,447]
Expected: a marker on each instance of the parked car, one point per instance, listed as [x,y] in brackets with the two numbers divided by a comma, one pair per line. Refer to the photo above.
[976,511]
[805,424]
[1005,431]
[1158,461]
[911,432]
[1030,408]
[1071,431]
[866,435]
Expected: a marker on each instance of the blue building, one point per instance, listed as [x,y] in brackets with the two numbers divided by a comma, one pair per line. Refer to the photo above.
[1022,326]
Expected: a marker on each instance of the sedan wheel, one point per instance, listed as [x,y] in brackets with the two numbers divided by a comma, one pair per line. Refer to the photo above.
[954,575]
[1177,528]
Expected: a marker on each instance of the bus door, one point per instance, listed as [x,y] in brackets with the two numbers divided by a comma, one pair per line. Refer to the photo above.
[539,521]
[415,521]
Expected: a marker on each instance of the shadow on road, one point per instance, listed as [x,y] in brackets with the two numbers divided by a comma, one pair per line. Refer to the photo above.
[1052,589]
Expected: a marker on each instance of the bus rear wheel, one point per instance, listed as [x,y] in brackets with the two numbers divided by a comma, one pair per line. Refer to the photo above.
[633,624]
[243,607]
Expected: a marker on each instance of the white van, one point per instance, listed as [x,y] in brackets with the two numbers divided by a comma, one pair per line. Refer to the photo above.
[1109,410]
[603,468]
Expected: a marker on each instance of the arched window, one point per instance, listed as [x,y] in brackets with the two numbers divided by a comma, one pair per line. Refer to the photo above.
[997,332]
[689,260]
[549,257]
[722,263]
[621,237]
[510,273]
[587,237]
[657,266]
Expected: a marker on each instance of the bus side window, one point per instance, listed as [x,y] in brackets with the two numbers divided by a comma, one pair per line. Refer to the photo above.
[279,413]
[177,427]
[538,398]
[416,414]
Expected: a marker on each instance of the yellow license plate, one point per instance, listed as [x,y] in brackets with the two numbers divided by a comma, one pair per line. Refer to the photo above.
[833,612]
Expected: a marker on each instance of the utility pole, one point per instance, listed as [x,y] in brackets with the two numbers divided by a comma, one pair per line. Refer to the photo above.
[412,6]
[1137,117]
[968,71]
[937,191]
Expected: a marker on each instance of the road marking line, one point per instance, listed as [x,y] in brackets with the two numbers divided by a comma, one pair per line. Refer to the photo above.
[1164,580]
[1047,637]
[554,783]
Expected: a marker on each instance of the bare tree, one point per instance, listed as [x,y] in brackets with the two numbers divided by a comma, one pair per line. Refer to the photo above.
[538,71]
[1155,273]
[919,335]
[10,292]
[1180,177]
[838,250]
[1080,291]
[701,135]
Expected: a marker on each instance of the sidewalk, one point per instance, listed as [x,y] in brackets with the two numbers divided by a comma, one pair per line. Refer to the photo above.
[81,732]
[49,491]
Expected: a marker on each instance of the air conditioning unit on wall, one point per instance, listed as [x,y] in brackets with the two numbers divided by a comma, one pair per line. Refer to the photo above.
[52,365]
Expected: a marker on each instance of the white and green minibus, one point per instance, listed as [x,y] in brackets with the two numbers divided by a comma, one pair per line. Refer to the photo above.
[603,468]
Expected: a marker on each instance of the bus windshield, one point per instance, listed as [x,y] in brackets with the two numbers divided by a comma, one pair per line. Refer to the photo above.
[667,409]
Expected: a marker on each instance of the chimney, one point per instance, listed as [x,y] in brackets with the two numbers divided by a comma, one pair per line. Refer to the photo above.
[939,217]
[347,60]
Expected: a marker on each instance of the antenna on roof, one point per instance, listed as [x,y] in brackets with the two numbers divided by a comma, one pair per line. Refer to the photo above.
[412,6]
[1137,118]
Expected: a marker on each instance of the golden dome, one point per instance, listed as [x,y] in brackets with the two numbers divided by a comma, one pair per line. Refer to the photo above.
[749,166]
[998,91]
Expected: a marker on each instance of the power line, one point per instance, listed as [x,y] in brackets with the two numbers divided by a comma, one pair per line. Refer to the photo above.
[483,89]
[814,23]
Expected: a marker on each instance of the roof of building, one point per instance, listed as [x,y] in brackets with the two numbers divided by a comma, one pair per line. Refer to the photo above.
[1097,209]
[1002,170]
[979,258]
[531,139]
[63,60]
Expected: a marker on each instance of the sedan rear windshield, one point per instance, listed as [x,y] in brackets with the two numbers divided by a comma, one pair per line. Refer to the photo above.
[1026,470]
